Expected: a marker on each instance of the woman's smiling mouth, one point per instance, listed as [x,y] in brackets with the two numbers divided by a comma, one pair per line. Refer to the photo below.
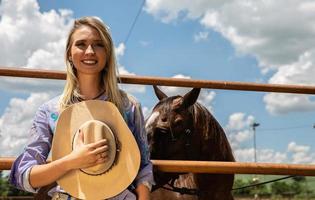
[89,62]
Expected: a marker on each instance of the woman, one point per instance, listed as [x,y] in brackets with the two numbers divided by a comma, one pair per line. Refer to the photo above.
[91,74]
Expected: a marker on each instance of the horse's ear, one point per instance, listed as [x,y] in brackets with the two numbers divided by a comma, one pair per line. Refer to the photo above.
[160,95]
[191,97]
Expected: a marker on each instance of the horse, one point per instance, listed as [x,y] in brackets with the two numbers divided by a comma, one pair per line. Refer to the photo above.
[179,128]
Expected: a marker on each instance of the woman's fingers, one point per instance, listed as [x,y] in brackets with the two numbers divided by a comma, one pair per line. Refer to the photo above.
[101,160]
[100,149]
[97,144]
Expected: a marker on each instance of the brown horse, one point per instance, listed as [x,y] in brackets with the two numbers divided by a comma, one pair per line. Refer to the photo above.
[179,128]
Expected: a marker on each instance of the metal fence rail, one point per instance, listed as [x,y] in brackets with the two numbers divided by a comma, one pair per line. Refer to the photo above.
[190,166]
[179,82]
[213,167]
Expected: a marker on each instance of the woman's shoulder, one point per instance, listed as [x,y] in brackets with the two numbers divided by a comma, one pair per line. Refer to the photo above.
[52,105]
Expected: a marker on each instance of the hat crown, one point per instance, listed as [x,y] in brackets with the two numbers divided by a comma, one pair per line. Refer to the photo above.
[94,131]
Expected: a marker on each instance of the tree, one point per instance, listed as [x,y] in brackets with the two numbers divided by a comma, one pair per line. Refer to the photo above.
[299,178]
[238,183]
[280,187]
[6,189]
[296,186]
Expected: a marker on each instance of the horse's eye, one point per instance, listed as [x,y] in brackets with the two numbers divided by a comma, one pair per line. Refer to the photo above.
[178,122]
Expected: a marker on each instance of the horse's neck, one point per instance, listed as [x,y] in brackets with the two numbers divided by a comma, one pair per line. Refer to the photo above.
[220,150]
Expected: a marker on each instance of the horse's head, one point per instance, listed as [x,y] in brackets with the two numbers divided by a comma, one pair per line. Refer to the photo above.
[181,129]
[170,125]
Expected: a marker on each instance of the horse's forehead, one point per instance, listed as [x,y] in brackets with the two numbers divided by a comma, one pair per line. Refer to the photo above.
[152,118]
[169,105]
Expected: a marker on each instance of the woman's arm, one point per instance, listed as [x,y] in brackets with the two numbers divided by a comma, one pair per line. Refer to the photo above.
[85,155]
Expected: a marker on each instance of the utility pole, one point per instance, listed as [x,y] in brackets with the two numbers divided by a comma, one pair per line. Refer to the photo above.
[254,125]
[255,178]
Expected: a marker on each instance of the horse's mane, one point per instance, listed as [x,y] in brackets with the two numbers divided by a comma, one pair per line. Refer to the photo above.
[213,136]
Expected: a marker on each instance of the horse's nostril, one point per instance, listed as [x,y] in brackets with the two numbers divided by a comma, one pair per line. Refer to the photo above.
[164,119]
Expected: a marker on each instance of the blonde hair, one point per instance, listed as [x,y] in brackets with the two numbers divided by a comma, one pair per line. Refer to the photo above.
[108,75]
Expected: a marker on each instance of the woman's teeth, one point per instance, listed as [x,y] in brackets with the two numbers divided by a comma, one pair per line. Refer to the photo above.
[89,62]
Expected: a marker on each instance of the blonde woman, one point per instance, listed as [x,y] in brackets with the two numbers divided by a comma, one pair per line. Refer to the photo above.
[91,74]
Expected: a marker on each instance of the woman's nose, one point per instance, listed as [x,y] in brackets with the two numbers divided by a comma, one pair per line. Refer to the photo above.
[89,50]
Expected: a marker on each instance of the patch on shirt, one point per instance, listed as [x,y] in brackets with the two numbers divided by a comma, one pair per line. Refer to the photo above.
[54,116]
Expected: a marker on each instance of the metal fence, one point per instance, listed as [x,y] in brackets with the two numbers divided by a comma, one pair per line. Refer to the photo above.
[191,166]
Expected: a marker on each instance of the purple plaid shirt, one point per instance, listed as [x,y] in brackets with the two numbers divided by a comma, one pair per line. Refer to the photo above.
[42,131]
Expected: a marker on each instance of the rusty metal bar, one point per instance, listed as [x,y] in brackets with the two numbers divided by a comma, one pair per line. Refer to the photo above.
[32,73]
[216,167]
[234,167]
[6,163]
[147,80]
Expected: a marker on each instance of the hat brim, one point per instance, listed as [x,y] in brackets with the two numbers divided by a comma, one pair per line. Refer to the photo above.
[84,186]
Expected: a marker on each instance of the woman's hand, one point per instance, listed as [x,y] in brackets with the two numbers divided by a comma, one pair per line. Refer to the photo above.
[87,155]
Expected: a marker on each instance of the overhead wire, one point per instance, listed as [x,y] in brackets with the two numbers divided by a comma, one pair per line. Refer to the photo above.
[134,22]
[285,128]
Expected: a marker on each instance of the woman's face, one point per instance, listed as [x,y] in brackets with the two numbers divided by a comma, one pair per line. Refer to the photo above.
[87,51]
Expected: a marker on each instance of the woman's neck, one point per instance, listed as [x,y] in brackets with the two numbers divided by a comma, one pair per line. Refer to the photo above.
[90,87]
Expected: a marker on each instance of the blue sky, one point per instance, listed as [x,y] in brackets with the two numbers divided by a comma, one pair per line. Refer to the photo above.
[248,41]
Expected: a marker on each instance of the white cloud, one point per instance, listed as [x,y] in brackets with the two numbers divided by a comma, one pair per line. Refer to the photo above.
[271,156]
[206,98]
[29,33]
[264,155]
[294,148]
[307,6]
[279,34]
[244,155]
[284,103]
[120,50]
[33,39]
[16,121]
[274,36]
[201,36]
[299,72]
[300,153]
[238,129]
[171,10]
[297,154]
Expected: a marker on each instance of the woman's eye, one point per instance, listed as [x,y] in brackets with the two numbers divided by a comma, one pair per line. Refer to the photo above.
[100,45]
[80,44]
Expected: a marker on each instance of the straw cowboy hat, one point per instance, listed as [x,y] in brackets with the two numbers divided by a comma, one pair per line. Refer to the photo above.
[98,120]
